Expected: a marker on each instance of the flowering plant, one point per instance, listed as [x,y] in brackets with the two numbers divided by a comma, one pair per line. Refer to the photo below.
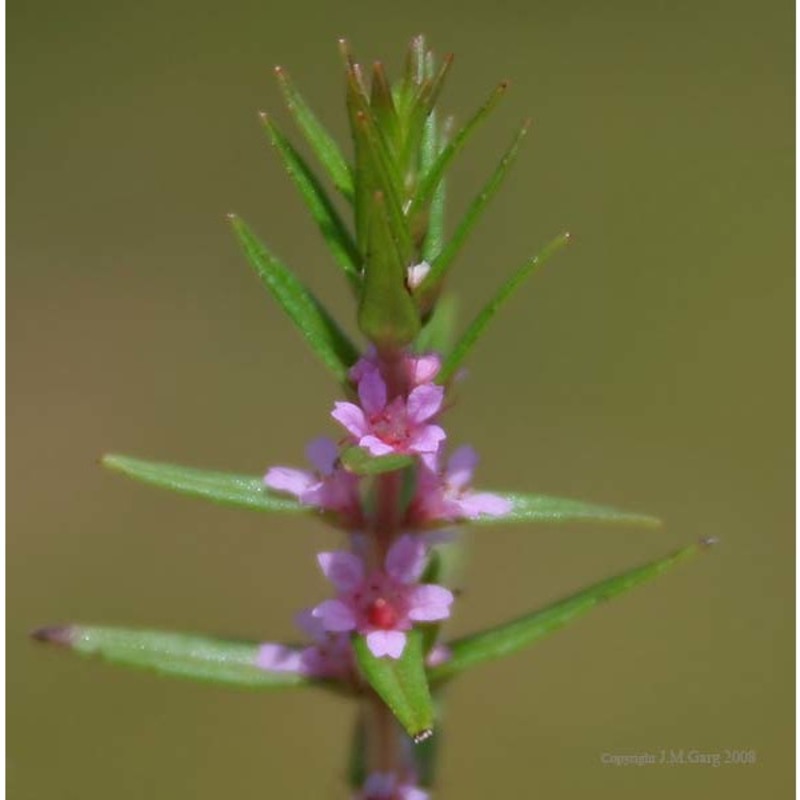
[392,482]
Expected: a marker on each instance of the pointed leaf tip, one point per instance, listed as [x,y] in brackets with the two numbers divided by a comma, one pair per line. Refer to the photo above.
[549,509]
[478,326]
[60,635]
[180,655]
[401,684]
[313,320]
[331,225]
[513,636]
[243,491]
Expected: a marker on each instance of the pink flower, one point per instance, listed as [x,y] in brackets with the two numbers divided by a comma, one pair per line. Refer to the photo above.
[419,369]
[402,426]
[330,487]
[387,786]
[384,604]
[444,494]
[331,655]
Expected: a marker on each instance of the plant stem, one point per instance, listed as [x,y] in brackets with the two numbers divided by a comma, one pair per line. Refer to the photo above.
[384,739]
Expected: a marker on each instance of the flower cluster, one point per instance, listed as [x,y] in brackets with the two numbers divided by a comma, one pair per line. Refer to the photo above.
[379,588]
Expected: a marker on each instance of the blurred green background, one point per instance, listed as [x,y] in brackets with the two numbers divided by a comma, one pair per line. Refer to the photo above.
[649,366]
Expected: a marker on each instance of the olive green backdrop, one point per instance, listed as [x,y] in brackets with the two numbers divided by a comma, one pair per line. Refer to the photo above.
[649,366]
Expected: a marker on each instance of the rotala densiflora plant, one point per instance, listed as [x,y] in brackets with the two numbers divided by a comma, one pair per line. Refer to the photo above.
[391,485]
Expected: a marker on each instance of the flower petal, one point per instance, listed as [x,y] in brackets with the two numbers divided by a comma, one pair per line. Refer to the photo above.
[412,793]
[386,643]
[460,466]
[351,417]
[427,439]
[286,479]
[429,602]
[473,504]
[424,401]
[438,654]
[405,561]
[372,392]
[323,453]
[375,445]
[279,658]
[309,624]
[344,570]
[423,369]
[365,364]
[336,616]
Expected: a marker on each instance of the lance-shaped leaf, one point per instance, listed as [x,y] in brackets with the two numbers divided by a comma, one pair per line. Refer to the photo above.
[322,143]
[401,683]
[514,636]
[437,335]
[544,508]
[433,221]
[383,108]
[435,172]
[379,174]
[333,229]
[361,462]
[320,330]
[387,314]
[478,326]
[182,655]
[421,107]
[243,491]
[443,261]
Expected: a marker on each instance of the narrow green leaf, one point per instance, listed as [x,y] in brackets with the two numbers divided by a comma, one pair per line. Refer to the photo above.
[478,326]
[542,508]
[320,330]
[401,684]
[361,462]
[387,314]
[383,108]
[421,106]
[414,74]
[181,655]
[513,636]
[331,225]
[442,263]
[322,143]
[432,144]
[431,87]
[437,335]
[244,491]
[434,174]
[384,177]
[376,169]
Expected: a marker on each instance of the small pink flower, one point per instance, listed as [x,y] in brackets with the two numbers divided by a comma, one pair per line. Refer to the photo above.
[387,786]
[401,426]
[419,369]
[331,655]
[444,494]
[329,487]
[384,604]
